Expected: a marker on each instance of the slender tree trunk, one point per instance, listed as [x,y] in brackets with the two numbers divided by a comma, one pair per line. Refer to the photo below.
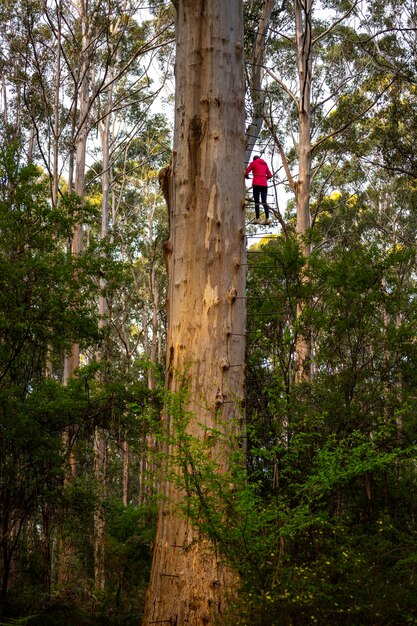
[125,473]
[154,339]
[46,548]
[257,93]
[206,308]
[55,181]
[65,552]
[100,469]
[71,362]
[31,143]
[100,439]
[304,52]
[5,102]
[148,468]
[71,148]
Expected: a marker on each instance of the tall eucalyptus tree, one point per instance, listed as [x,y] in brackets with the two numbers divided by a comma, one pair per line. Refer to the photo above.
[206,305]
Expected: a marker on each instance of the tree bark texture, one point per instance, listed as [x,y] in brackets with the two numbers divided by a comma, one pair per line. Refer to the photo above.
[206,306]
[304,63]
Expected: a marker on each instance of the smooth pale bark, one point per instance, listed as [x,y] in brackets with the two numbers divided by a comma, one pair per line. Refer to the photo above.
[146,476]
[72,362]
[67,552]
[152,345]
[83,128]
[57,103]
[256,79]
[206,308]
[5,101]
[304,63]
[100,438]
[300,185]
[304,54]
[147,482]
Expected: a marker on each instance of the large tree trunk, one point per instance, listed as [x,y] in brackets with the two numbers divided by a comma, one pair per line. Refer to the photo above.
[206,257]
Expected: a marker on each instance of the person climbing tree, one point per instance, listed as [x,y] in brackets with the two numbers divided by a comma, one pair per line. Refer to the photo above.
[261,175]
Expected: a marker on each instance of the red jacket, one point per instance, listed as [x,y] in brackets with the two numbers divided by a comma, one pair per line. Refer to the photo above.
[260,172]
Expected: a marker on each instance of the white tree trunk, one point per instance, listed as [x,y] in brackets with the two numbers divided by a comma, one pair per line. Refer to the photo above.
[72,362]
[304,63]
[55,164]
[256,79]
[206,308]
[100,438]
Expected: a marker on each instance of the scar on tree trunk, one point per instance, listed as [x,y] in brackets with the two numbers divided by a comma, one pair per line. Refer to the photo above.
[165,182]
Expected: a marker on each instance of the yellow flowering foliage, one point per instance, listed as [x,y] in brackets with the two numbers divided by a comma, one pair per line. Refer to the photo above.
[95,199]
[353,201]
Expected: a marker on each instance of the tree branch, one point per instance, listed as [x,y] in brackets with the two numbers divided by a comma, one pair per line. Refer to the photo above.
[354,119]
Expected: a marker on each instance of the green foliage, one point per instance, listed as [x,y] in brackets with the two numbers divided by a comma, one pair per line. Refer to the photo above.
[320,525]
[130,533]
[48,302]
[344,508]
[45,301]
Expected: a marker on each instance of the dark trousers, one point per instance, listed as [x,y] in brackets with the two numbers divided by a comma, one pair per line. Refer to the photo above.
[260,191]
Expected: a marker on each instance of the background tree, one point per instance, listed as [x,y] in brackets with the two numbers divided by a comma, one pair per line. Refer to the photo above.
[33,260]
